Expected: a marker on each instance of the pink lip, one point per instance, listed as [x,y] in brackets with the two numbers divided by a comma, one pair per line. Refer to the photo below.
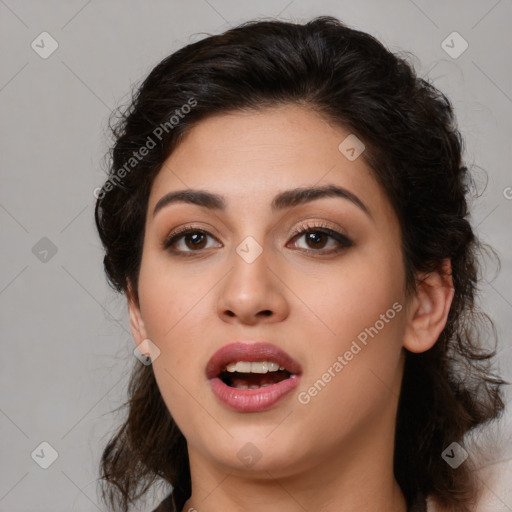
[251,400]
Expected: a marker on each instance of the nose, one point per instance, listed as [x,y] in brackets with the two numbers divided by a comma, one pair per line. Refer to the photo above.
[252,293]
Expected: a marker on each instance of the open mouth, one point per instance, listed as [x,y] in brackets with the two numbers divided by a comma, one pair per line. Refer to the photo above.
[253,375]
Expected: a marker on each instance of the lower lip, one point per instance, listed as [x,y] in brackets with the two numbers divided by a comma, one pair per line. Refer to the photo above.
[253,400]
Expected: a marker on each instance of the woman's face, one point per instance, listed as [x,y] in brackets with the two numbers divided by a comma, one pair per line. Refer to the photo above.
[243,274]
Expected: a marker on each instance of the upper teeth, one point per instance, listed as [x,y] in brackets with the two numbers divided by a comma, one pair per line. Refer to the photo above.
[254,367]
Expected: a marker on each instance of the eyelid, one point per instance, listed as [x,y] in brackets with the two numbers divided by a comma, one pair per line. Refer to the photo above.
[183,230]
[337,234]
[319,225]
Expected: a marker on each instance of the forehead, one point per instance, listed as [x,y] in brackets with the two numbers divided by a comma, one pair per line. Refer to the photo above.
[249,156]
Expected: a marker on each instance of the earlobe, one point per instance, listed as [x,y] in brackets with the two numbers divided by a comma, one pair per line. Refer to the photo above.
[428,309]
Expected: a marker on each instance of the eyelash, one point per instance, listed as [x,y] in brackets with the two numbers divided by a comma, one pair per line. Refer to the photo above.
[303,229]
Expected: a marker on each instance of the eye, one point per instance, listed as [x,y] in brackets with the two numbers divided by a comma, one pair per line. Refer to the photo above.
[192,238]
[316,237]
[189,239]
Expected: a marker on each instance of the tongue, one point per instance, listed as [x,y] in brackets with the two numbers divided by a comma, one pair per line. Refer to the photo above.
[257,379]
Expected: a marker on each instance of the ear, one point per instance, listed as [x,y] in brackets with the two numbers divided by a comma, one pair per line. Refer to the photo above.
[428,309]
[136,322]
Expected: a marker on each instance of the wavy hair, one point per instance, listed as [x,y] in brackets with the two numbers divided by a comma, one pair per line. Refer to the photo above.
[413,149]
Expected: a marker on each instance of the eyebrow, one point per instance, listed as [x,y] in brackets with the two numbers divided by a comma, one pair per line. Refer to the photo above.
[281,201]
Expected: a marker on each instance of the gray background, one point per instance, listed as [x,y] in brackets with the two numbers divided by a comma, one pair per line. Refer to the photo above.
[66,346]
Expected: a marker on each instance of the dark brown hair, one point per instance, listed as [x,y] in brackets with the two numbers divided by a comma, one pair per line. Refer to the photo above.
[415,152]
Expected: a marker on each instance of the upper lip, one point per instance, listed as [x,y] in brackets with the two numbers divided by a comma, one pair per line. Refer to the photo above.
[246,351]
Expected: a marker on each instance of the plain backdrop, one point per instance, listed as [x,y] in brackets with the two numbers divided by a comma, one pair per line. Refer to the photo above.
[66,345]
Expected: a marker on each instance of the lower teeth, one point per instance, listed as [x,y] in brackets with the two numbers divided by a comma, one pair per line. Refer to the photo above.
[242,380]
[244,386]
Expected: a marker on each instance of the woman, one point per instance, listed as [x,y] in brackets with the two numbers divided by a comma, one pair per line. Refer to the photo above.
[286,214]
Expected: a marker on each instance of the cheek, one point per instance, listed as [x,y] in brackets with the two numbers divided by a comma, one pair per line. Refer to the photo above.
[362,307]
[356,376]
[171,301]
[352,295]
[178,307]
[174,319]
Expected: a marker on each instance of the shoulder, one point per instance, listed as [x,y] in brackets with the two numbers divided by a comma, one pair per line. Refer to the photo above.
[167,505]
[490,447]
[494,465]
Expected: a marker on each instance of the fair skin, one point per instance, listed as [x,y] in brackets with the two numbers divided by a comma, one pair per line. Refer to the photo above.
[334,453]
